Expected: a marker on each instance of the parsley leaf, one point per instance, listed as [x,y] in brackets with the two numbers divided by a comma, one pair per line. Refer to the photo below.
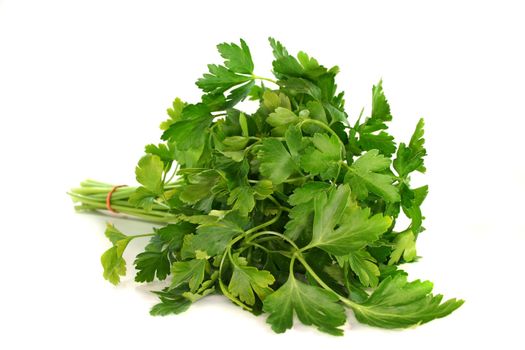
[369,137]
[149,173]
[246,280]
[213,238]
[323,160]
[355,227]
[366,175]
[172,302]
[397,303]
[112,261]
[237,58]
[276,162]
[191,272]
[160,252]
[410,158]
[302,213]
[312,306]
[242,199]
[237,70]
[364,266]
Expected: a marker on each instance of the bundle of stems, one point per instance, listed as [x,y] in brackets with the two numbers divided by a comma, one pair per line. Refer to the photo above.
[92,196]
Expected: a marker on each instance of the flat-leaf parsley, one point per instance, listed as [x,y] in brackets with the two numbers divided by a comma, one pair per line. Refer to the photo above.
[290,210]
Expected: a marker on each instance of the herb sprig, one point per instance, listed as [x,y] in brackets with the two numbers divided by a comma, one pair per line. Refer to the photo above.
[290,210]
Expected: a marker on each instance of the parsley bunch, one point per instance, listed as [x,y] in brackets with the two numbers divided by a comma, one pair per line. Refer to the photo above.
[287,211]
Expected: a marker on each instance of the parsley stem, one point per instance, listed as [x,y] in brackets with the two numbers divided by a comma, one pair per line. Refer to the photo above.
[308,268]
[153,215]
[224,289]
[278,204]
[273,233]
[327,128]
[292,261]
[266,79]
[173,174]
[227,253]
[263,225]
[266,250]
[300,178]
[142,235]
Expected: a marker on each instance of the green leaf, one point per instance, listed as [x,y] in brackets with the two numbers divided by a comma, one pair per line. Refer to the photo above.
[172,302]
[246,280]
[114,234]
[323,160]
[410,158]
[187,251]
[312,306]
[412,206]
[191,272]
[355,227]
[399,304]
[301,216]
[313,70]
[219,79]
[170,306]
[237,70]
[243,200]
[383,142]
[237,58]
[214,237]
[149,173]
[243,122]
[300,222]
[279,51]
[308,192]
[282,116]
[275,161]
[239,94]
[165,152]
[405,246]
[114,265]
[175,113]
[297,86]
[159,254]
[263,189]
[380,106]
[112,261]
[364,266]
[365,175]
[368,138]
[287,66]
[142,197]
[235,143]
[190,133]
[199,186]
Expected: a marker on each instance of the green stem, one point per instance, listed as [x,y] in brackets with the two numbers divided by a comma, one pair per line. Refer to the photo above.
[173,175]
[292,261]
[265,79]
[142,235]
[327,128]
[265,224]
[278,204]
[227,253]
[300,178]
[223,287]
[153,215]
[273,233]
[308,268]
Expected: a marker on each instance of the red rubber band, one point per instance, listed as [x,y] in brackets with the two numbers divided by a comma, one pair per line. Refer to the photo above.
[108,198]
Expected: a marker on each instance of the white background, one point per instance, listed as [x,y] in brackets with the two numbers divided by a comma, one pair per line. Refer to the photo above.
[84,85]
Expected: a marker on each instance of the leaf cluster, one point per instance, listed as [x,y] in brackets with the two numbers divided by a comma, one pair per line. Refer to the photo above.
[287,211]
